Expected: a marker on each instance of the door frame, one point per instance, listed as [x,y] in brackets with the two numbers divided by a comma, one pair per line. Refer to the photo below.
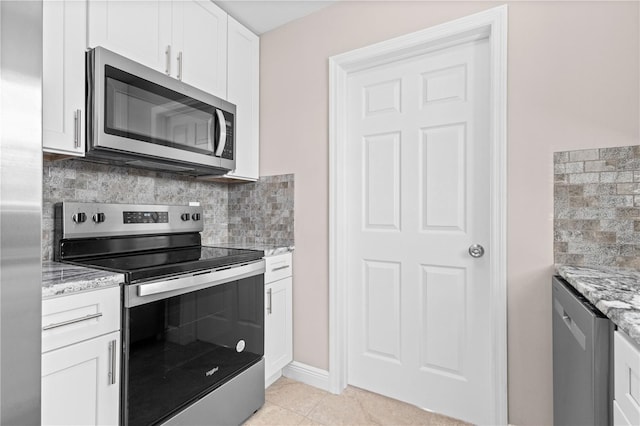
[491,24]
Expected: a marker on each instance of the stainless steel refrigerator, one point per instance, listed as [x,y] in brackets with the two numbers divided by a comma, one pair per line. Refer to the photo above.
[20,210]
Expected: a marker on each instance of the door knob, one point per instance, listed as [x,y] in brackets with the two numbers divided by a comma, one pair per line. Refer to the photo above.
[476,250]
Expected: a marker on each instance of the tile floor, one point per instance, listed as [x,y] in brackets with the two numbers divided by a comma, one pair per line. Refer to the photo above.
[293,403]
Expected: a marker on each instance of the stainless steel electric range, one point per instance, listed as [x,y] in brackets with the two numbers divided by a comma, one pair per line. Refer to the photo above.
[192,317]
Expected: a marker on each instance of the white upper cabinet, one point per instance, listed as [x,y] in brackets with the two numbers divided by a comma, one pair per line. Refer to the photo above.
[186,39]
[63,57]
[243,90]
[199,45]
[138,30]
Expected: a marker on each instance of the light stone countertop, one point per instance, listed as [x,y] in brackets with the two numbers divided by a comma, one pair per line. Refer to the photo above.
[614,291]
[268,250]
[61,279]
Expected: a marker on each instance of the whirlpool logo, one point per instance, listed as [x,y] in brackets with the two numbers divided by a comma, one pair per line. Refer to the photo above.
[211,372]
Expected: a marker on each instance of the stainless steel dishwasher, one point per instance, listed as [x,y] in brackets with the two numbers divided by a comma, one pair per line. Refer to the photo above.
[581,359]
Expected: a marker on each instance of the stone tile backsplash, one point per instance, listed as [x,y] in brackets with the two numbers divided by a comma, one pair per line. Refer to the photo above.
[261,213]
[69,180]
[597,207]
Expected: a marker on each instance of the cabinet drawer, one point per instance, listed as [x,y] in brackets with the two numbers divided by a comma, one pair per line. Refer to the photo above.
[627,377]
[278,267]
[81,316]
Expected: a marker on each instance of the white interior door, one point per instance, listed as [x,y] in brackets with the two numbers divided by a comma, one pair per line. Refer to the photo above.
[418,197]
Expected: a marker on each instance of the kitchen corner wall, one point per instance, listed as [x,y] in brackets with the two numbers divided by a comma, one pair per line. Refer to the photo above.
[265,207]
[573,83]
[597,207]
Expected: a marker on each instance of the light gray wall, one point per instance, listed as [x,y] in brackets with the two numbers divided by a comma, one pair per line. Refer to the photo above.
[573,83]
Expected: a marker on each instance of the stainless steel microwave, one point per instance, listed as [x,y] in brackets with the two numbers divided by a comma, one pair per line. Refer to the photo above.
[140,117]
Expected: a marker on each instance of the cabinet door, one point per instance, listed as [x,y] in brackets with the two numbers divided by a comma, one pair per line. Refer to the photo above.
[243,90]
[626,377]
[278,337]
[81,383]
[137,29]
[200,45]
[64,28]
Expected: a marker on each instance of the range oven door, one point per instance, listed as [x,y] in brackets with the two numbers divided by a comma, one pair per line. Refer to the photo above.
[181,343]
[141,117]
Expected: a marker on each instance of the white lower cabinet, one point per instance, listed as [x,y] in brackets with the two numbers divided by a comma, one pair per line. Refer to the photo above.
[81,384]
[278,320]
[626,404]
[81,358]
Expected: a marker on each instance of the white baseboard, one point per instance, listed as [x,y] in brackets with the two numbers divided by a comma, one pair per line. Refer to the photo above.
[307,374]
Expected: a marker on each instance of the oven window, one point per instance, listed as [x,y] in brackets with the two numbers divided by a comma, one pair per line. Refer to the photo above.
[139,109]
[183,347]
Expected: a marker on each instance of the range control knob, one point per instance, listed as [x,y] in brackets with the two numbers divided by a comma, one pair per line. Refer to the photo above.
[185,216]
[79,217]
[195,216]
[98,217]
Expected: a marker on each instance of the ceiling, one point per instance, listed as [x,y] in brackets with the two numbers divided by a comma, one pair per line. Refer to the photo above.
[261,16]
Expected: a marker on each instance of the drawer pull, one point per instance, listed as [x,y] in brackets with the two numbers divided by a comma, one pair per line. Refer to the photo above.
[279,268]
[112,362]
[72,321]
[77,128]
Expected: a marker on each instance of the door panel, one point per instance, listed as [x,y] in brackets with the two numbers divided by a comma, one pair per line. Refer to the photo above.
[417,198]
[382,307]
[443,177]
[444,295]
[381,203]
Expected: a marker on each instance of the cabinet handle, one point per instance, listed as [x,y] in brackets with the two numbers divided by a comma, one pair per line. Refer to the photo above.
[167,54]
[77,128]
[112,362]
[279,268]
[180,65]
[72,321]
[269,305]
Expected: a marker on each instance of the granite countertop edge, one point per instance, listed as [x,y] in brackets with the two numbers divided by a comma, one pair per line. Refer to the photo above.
[614,291]
[60,279]
[269,250]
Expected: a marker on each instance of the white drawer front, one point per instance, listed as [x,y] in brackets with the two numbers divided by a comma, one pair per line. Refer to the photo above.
[627,377]
[278,267]
[81,316]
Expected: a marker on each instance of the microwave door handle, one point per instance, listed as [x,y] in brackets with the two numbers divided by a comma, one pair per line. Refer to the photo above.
[210,133]
[223,133]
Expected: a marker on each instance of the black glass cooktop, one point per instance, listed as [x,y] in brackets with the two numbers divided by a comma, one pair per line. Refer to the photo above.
[158,263]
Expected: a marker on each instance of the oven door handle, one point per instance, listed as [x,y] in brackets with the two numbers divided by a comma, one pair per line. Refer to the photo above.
[148,292]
